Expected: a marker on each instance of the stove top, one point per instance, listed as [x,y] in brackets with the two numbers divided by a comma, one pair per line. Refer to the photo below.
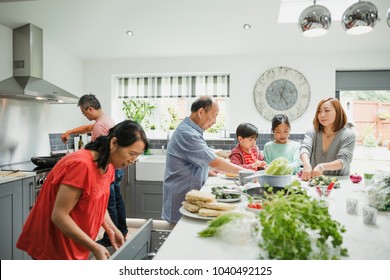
[26,166]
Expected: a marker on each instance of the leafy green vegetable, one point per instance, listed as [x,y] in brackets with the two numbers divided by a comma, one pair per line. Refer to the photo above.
[214,224]
[294,226]
[219,194]
[324,181]
[279,166]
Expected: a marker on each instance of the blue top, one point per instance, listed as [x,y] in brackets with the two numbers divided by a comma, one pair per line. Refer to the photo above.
[290,151]
[188,157]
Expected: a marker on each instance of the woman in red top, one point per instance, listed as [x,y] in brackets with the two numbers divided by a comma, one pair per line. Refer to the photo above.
[72,205]
[246,153]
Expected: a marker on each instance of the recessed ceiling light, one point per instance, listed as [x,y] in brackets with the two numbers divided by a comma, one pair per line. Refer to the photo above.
[247,26]
[129,33]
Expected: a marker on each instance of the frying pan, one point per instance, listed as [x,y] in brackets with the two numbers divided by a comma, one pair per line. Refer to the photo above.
[45,162]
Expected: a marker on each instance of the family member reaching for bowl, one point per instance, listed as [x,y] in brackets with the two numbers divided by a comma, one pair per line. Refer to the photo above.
[328,147]
[72,205]
[282,146]
[189,157]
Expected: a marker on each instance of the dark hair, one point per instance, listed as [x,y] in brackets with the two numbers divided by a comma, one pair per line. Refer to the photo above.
[89,100]
[127,133]
[246,130]
[278,119]
[204,102]
[341,117]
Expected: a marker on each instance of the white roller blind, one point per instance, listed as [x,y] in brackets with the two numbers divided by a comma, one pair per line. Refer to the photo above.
[173,86]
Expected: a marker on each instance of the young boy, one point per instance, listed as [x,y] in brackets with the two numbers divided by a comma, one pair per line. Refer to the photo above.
[246,153]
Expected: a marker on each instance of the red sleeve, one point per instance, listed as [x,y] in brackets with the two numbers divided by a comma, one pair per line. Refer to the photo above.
[74,173]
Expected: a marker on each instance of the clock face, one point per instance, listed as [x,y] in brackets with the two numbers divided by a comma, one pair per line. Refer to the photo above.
[282,90]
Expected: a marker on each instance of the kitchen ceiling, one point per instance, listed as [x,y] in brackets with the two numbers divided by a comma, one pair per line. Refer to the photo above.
[96,29]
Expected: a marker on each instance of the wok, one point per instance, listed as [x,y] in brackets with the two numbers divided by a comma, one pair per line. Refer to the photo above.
[46,161]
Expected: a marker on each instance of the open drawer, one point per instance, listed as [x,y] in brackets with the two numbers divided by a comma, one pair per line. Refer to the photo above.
[145,242]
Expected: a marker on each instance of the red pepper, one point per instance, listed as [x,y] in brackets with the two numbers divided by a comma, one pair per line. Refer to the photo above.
[330,187]
[319,190]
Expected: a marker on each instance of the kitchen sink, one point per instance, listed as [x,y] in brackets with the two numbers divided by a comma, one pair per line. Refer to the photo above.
[150,168]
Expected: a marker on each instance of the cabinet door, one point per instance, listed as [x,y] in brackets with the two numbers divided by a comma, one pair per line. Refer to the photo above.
[28,196]
[11,219]
[148,199]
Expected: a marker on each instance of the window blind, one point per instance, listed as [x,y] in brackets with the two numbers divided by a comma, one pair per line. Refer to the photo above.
[173,86]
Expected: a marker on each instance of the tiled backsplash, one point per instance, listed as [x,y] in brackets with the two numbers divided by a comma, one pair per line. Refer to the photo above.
[56,143]
[228,144]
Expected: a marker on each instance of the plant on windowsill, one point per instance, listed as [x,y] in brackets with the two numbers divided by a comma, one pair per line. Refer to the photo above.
[137,110]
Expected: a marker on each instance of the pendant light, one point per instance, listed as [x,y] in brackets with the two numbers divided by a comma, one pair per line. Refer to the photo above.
[360,18]
[315,20]
[388,17]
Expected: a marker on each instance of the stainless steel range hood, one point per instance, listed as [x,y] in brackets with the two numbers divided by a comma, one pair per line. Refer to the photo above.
[27,82]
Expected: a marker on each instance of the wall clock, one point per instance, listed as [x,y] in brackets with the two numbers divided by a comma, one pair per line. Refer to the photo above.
[282,90]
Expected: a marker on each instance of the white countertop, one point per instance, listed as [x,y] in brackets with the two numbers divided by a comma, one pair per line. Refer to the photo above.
[6,176]
[362,241]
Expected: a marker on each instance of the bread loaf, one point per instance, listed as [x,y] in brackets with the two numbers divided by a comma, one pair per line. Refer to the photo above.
[193,208]
[195,195]
[210,212]
[221,206]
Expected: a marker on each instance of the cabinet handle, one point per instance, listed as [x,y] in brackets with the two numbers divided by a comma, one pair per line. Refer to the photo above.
[32,191]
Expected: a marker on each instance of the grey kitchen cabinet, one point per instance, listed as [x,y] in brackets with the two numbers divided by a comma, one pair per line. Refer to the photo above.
[148,199]
[14,209]
[11,219]
[143,199]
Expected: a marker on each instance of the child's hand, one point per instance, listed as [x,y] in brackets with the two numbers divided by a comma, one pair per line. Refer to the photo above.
[259,164]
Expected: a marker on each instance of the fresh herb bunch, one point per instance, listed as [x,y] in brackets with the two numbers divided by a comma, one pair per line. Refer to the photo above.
[293,223]
[215,224]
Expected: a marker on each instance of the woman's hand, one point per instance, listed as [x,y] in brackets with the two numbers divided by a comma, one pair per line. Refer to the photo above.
[100,252]
[306,173]
[116,237]
[317,171]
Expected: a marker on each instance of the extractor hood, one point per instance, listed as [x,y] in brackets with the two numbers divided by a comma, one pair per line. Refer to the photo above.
[27,82]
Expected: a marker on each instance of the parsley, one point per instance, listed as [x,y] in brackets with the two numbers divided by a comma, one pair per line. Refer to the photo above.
[295,227]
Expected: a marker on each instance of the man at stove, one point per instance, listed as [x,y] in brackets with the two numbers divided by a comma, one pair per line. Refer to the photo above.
[90,107]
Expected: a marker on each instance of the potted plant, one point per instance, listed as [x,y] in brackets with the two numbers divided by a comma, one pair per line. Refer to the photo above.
[137,110]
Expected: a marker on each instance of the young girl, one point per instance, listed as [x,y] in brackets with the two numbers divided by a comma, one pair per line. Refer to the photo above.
[282,146]
[246,153]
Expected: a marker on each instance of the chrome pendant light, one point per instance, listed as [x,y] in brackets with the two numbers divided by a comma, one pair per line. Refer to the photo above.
[388,17]
[360,18]
[315,20]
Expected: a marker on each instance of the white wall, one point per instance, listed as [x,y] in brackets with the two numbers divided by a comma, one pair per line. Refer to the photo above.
[319,70]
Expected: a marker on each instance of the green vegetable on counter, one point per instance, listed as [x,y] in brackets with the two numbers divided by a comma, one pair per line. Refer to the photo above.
[214,224]
[219,194]
[279,166]
[295,227]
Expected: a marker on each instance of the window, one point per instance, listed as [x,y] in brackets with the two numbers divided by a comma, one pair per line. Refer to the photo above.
[172,96]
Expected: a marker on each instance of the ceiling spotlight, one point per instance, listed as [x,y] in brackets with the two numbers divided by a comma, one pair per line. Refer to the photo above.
[315,20]
[129,33]
[247,26]
[360,18]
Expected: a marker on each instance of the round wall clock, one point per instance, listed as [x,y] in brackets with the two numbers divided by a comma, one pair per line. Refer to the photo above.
[282,90]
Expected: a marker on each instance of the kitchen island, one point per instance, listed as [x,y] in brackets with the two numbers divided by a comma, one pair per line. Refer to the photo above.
[364,242]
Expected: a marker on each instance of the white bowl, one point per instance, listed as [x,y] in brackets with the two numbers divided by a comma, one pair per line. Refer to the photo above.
[279,181]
